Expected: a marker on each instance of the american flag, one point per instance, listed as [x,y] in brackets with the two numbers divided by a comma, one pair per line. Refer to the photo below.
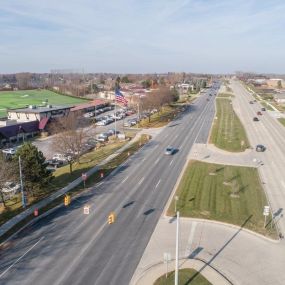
[120,97]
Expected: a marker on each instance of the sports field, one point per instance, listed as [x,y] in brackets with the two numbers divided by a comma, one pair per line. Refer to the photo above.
[21,98]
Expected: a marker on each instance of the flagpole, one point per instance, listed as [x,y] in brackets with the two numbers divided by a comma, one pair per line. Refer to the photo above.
[115,117]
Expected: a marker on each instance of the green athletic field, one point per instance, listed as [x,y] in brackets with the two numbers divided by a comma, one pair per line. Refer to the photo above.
[21,98]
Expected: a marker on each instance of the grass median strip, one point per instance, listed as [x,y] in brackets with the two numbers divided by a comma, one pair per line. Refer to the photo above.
[186,276]
[229,194]
[225,95]
[282,121]
[228,133]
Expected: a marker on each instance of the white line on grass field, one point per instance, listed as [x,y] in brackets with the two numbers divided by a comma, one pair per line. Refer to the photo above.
[20,257]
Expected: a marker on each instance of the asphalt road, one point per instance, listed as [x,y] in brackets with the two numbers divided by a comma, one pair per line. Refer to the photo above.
[69,247]
[270,133]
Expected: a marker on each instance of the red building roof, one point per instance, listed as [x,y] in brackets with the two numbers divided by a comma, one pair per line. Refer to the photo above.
[96,102]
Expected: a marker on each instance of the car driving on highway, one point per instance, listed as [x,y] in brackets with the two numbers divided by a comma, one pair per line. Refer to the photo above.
[169,150]
[260,148]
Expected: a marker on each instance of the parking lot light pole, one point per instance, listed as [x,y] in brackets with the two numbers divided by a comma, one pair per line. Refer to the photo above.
[21,184]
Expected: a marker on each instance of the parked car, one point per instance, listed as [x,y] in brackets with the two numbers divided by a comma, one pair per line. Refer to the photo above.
[255,119]
[55,163]
[101,123]
[260,148]
[250,102]
[263,109]
[259,113]
[169,150]
[88,115]
[127,124]
[60,157]
[10,151]
[112,132]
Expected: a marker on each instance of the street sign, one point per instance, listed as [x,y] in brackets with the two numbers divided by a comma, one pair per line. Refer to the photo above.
[84,176]
[266,210]
[166,257]
[86,210]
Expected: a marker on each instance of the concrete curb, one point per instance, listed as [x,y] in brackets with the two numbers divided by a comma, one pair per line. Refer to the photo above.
[156,270]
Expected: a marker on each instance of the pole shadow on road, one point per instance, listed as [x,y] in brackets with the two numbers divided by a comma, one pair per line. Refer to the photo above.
[199,249]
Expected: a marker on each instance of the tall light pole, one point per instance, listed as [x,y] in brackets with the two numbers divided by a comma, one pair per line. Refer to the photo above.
[21,183]
[177,249]
[175,205]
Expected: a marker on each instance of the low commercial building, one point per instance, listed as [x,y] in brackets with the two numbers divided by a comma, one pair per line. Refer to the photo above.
[37,113]
[12,131]
[279,98]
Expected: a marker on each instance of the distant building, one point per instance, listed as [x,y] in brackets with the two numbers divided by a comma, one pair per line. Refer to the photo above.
[36,113]
[275,82]
[11,131]
[279,98]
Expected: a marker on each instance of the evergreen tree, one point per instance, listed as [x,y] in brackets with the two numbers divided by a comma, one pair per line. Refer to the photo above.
[35,173]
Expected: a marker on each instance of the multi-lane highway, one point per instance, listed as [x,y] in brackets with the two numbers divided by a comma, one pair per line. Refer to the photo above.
[271,134]
[68,247]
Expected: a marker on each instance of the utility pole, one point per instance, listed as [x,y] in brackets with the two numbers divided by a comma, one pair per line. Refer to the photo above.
[139,111]
[21,183]
[177,249]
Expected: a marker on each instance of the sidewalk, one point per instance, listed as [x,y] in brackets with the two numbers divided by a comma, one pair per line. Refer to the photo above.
[150,275]
[20,217]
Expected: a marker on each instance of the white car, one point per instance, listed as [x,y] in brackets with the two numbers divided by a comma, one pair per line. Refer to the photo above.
[60,157]
[88,115]
[101,123]
[10,151]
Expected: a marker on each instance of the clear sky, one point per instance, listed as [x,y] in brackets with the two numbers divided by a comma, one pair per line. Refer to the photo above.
[138,36]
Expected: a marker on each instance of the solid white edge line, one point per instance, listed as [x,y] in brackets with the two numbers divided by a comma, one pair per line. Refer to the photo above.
[20,257]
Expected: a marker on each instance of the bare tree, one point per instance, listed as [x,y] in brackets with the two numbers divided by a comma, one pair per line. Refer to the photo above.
[71,134]
[157,99]
[7,174]
[23,80]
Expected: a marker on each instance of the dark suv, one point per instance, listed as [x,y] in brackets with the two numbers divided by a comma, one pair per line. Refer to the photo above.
[260,148]
[255,119]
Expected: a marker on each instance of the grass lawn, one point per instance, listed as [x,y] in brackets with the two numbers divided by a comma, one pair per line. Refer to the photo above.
[228,133]
[160,119]
[21,98]
[225,95]
[282,121]
[229,194]
[186,276]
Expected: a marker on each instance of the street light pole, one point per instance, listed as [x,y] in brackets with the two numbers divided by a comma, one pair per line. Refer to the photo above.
[175,205]
[21,183]
[177,249]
